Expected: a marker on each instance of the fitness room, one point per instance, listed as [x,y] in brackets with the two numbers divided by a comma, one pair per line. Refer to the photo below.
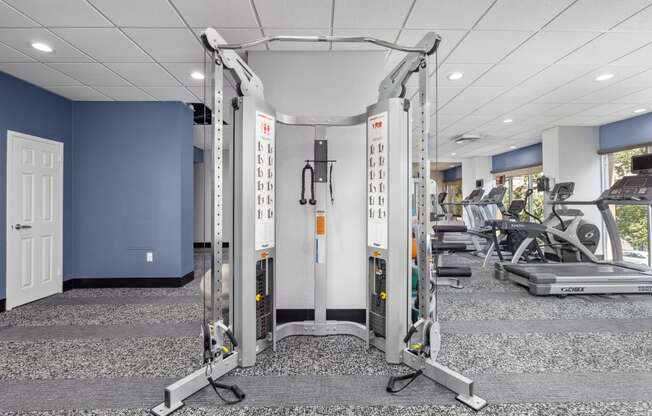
[326,207]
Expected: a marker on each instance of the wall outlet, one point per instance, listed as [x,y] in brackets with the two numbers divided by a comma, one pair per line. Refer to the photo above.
[150,257]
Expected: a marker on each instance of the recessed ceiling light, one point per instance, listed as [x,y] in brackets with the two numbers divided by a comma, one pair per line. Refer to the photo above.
[604,77]
[508,120]
[455,76]
[640,110]
[197,75]
[453,154]
[512,147]
[43,47]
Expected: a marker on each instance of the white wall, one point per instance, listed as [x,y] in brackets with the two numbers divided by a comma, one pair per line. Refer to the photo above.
[320,83]
[571,154]
[474,169]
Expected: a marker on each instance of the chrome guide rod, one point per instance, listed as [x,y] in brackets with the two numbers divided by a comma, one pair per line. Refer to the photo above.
[217,195]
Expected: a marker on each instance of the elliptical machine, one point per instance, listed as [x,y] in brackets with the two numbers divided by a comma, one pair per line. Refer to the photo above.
[554,239]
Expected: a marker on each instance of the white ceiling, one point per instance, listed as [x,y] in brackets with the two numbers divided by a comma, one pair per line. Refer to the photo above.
[534,61]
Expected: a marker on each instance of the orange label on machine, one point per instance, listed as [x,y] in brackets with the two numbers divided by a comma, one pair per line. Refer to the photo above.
[320,224]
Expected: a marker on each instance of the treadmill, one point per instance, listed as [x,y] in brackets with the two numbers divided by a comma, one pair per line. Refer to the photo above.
[594,277]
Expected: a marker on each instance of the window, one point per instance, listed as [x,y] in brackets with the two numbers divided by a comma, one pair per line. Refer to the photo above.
[632,220]
[517,184]
[454,190]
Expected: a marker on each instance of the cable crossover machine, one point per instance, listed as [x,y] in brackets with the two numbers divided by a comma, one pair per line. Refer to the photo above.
[240,314]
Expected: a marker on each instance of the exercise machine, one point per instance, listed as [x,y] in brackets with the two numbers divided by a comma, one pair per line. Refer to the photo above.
[242,324]
[592,276]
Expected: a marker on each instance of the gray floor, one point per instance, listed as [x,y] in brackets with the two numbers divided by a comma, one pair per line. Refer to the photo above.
[112,351]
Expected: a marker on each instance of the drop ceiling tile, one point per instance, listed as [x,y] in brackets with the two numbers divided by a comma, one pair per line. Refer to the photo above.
[458,107]
[507,75]
[182,71]
[171,94]
[125,93]
[79,93]
[470,71]
[629,110]
[37,73]
[9,54]
[370,13]
[238,36]
[521,94]
[68,13]
[168,45]
[530,110]
[294,13]
[640,97]
[486,46]
[445,94]
[546,47]
[640,22]
[91,74]
[298,46]
[596,14]
[608,94]
[104,44]
[222,13]
[144,74]
[565,94]
[446,14]
[10,17]
[643,79]
[382,34]
[479,95]
[567,109]
[21,39]
[495,109]
[557,75]
[521,14]
[608,47]
[142,13]
[603,109]
[641,56]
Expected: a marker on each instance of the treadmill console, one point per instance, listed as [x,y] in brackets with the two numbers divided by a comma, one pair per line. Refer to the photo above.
[495,196]
[475,195]
[632,188]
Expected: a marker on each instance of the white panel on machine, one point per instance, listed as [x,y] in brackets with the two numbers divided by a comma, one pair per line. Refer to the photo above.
[265,177]
[377,180]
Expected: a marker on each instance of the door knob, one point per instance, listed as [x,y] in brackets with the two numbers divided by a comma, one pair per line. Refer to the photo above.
[20,226]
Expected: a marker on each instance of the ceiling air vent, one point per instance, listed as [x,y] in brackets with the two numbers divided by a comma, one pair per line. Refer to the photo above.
[466,138]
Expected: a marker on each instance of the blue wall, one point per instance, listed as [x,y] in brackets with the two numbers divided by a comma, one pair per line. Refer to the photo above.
[636,131]
[28,109]
[133,189]
[519,158]
[128,172]
[453,174]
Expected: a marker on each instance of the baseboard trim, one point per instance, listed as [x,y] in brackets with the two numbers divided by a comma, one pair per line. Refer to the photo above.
[298,315]
[117,282]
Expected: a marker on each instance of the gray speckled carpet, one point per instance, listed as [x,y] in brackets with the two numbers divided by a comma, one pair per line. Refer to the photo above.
[112,352]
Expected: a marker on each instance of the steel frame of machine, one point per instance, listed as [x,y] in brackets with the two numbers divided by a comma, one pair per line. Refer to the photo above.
[240,319]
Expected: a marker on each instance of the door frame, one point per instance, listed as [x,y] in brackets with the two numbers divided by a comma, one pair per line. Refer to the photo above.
[9,270]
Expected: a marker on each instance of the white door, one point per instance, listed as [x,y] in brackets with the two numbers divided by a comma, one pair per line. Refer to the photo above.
[34,218]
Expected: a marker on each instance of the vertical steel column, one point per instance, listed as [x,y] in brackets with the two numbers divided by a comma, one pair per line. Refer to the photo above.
[216,189]
[320,270]
[424,253]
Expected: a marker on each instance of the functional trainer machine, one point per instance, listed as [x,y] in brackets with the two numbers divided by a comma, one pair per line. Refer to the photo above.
[592,276]
[241,324]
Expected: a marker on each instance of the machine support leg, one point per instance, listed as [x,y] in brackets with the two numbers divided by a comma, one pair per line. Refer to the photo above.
[448,378]
[180,390]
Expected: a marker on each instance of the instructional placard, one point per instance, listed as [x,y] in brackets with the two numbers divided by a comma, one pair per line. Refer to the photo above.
[377,180]
[265,180]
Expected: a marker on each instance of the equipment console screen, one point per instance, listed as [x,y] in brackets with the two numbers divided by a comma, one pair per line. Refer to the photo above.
[641,163]
[634,182]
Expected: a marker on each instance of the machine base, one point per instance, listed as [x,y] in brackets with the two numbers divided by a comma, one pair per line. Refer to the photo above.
[321,329]
[448,378]
[180,390]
